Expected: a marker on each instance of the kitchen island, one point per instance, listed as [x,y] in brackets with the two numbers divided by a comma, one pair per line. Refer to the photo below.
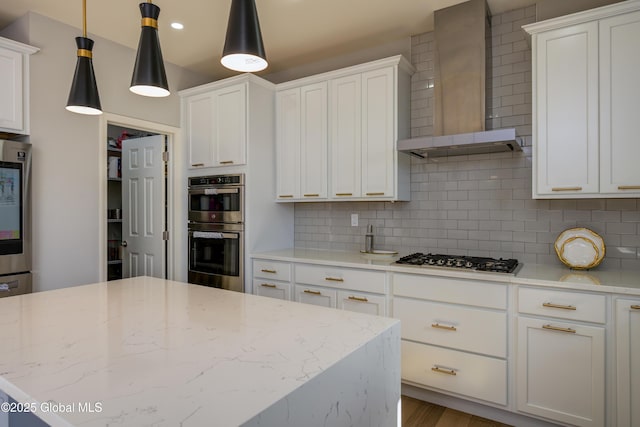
[147,351]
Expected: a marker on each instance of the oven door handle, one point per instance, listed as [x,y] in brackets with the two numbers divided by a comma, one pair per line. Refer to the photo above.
[213,235]
[213,191]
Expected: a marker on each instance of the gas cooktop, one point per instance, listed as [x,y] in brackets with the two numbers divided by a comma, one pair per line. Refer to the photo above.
[461,262]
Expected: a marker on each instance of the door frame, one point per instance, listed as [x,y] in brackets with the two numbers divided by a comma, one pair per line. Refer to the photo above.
[173,135]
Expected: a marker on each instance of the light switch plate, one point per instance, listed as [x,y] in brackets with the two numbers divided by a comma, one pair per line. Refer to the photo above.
[354,220]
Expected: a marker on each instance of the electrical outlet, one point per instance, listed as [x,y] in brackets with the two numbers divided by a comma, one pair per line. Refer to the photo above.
[354,220]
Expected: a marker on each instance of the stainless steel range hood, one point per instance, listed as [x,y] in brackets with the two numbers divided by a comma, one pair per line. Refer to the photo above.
[459,92]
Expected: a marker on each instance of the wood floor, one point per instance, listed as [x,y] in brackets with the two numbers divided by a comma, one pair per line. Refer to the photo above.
[416,413]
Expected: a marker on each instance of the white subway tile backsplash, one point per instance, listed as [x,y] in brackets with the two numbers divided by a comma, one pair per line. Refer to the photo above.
[481,204]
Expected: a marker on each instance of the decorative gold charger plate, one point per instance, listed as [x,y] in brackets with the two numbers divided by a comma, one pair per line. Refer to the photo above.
[580,248]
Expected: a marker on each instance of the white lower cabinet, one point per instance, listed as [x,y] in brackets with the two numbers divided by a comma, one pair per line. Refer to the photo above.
[272,279]
[454,335]
[362,303]
[627,312]
[272,289]
[560,364]
[466,374]
[315,295]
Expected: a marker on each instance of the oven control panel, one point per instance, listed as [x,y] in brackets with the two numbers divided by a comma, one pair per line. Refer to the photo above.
[199,181]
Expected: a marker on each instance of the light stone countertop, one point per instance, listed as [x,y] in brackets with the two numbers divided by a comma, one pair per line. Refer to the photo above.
[158,352]
[598,280]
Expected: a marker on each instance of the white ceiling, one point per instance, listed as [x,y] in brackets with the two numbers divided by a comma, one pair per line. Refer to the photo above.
[295,32]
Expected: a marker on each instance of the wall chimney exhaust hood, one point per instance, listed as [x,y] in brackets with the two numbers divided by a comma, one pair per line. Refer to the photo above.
[459,93]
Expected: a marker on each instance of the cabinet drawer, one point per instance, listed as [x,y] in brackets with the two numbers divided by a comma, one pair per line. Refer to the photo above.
[316,296]
[362,303]
[274,270]
[344,278]
[562,304]
[456,291]
[18,284]
[467,374]
[463,328]
[272,289]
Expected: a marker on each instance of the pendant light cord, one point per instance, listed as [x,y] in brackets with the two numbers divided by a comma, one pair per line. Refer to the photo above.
[84,18]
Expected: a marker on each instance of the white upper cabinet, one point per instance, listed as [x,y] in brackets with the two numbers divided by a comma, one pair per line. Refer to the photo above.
[379,134]
[585,100]
[345,134]
[230,125]
[288,126]
[313,141]
[198,114]
[301,127]
[215,124]
[345,125]
[619,104]
[14,86]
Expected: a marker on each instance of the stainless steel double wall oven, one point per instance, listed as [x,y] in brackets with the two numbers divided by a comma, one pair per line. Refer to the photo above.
[216,231]
[15,218]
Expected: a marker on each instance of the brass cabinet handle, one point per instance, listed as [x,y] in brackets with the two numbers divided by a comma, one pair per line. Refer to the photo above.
[226,162]
[446,328]
[566,189]
[334,279]
[311,195]
[264,270]
[444,371]
[628,187]
[344,194]
[307,291]
[283,196]
[352,298]
[635,307]
[375,194]
[196,165]
[559,329]
[268,285]
[563,307]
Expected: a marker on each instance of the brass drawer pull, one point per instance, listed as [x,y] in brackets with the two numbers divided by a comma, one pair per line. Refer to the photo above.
[352,298]
[307,291]
[446,328]
[628,187]
[635,307]
[444,371]
[286,196]
[344,194]
[334,279]
[311,195]
[375,194]
[226,162]
[264,270]
[563,307]
[557,328]
[566,189]
[197,165]
[268,285]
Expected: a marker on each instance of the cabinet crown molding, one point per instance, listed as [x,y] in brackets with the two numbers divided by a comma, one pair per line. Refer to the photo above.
[17,46]
[219,84]
[397,60]
[584,16]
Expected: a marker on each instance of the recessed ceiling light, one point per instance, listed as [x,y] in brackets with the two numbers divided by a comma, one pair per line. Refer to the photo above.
[177,26]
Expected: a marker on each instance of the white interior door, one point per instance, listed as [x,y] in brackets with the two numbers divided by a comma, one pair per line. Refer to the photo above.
[143,219]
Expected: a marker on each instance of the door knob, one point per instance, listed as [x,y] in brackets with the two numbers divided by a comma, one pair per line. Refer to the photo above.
[124,243]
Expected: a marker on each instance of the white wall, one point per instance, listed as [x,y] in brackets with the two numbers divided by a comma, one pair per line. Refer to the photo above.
[66,146]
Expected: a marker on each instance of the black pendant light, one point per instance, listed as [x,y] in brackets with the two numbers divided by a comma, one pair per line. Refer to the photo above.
[243,48]
[149,77]
[83,97]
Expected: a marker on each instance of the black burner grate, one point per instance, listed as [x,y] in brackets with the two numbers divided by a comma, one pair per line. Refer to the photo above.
[465,262]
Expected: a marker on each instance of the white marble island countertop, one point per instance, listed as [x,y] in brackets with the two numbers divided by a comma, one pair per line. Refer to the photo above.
[163,353]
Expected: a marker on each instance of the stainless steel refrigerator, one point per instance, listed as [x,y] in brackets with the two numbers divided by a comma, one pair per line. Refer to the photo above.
[15,218]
